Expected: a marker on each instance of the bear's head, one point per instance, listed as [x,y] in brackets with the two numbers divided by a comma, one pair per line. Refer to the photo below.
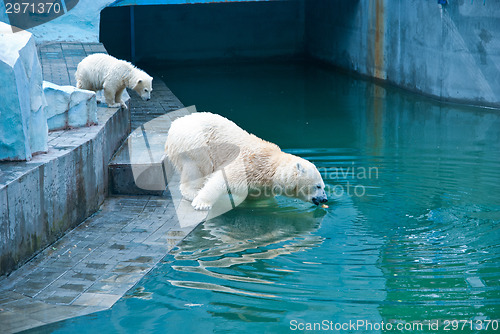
[144,87]
[303,180]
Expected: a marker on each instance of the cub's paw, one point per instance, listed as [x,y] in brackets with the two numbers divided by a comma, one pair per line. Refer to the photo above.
[201,205]
[114,105]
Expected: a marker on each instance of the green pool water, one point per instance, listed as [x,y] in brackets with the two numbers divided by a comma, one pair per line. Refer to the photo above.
[411,235]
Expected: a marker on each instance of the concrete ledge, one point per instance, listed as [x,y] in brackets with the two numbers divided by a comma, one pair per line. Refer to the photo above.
[138,166]
[151,121]
[43,198]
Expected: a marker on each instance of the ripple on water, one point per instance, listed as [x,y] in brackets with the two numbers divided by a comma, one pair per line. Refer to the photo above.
[421,243]
[416,242]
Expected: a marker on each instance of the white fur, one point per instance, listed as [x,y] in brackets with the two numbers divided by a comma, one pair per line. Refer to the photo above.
[214,154]
[101,71]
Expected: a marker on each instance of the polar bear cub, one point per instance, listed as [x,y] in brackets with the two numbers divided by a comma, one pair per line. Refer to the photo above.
[215,157]
[101,71]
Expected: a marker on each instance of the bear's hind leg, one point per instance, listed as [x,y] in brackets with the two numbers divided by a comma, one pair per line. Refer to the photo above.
[109,96]
[210,193]
[215,188]
[191,180]
[227,185]
[84,84]
[118,98]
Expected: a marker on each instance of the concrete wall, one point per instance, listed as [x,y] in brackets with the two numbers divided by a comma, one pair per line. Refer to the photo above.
[42,199]
[81,22]
[450,52]
[206,31]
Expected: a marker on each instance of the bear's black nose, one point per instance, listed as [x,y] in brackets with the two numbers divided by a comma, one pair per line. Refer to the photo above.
[318,200]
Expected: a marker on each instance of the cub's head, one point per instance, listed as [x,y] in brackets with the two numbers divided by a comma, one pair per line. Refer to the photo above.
[304,182]
[144,87]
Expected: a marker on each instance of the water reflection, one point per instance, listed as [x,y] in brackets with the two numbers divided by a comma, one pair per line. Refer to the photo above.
[255,231]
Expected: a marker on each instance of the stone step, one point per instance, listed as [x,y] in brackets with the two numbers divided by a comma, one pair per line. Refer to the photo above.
[137,167]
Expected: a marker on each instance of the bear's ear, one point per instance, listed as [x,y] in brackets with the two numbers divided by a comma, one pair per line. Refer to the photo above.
[139,81]
[300,168]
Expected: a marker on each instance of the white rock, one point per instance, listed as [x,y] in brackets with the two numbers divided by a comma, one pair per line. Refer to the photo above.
[23,125]
[69,107]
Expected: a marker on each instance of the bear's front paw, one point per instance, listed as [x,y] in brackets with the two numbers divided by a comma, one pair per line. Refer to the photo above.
[114,105]
[201,205]
[123,105]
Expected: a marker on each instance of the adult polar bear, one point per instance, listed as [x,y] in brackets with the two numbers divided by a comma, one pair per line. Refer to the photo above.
[101,71]
[215,157]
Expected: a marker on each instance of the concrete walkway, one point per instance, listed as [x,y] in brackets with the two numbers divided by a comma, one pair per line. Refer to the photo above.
[60,60]
[95,264]
[92,266]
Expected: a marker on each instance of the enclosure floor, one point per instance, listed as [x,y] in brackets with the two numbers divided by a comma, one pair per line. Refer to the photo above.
[92,266]
[60,60]
[95,264]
